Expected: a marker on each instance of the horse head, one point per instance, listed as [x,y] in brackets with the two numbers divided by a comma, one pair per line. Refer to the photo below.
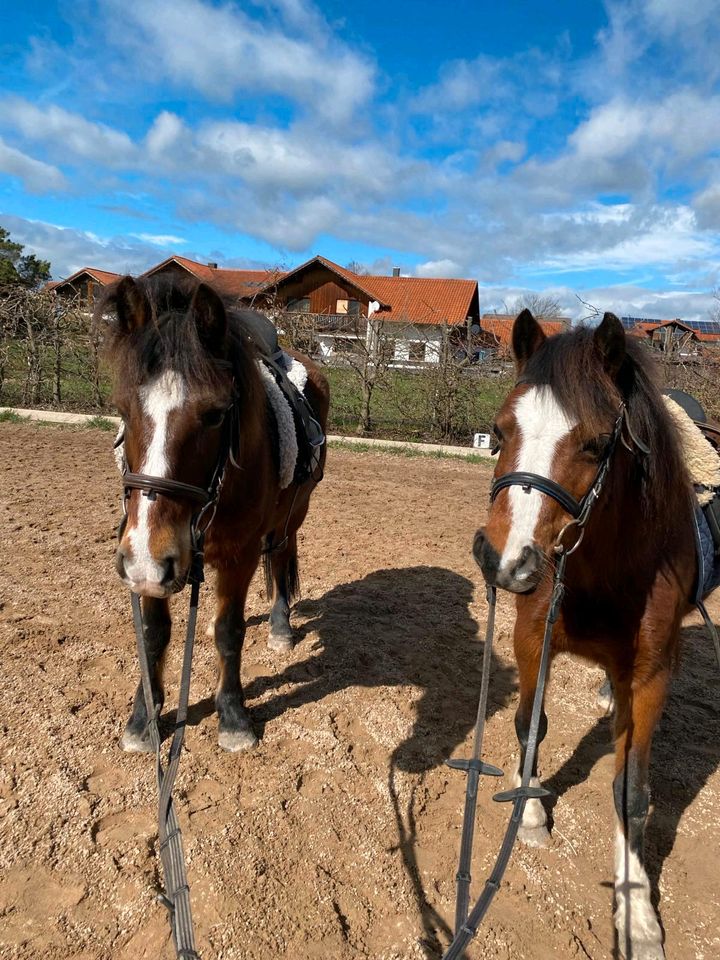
[555,425]
[174,388]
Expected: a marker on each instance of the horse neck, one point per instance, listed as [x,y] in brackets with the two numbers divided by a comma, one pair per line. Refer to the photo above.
[625,548]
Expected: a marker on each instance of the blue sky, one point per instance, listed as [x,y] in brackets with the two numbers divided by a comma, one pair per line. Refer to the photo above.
[570,148]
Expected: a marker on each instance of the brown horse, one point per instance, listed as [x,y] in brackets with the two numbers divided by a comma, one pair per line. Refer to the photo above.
[631,580]
[184,362]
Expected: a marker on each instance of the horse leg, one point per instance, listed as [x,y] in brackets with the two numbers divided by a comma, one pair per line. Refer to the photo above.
[638,710]
[235,730]
[284,572]
[533,829]
[606,697]
[157,624]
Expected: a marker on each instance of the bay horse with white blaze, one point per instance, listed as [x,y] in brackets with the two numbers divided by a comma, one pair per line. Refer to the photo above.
[584,399]
[189,390]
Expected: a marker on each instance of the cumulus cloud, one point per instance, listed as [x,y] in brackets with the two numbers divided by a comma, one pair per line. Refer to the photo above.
[625,300]
[37,177]
[222,52]
[69,250]
[499,168]
[68,133]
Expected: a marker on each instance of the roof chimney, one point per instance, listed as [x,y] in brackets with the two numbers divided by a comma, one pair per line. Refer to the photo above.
[213,266]
[396,271]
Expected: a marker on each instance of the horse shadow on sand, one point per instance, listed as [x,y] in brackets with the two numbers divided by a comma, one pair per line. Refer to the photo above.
[685,752]
[409,627]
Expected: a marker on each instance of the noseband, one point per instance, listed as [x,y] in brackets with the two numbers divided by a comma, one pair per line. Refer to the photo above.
[579,510]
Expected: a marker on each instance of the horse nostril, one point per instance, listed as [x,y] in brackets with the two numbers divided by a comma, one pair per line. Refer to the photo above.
[169,566]
[528,564]
[477,546]
[120,563]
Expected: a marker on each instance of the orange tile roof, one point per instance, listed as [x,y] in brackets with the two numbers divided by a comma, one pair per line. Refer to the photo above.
[500,326]
[407,299]
[427,300]
[232,283]
[102,276]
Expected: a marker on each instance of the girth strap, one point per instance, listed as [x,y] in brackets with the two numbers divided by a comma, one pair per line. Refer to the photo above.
[545,485]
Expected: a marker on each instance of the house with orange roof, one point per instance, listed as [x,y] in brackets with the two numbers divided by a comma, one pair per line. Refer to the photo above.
[675,336]
[410,315]
[85,283]
[241,285]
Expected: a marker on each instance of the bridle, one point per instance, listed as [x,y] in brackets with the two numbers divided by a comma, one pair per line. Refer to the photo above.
[176,895]
[205,497]
[579,510]
[467,921]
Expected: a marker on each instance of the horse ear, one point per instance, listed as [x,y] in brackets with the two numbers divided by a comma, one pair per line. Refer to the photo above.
[527,336]
[210,317]
[609,340]
[131,304]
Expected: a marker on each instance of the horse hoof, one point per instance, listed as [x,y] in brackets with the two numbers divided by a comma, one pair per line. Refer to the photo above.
[135,742]
[280,643]
[606,698]
[534,836]
[643,951]
[234,741]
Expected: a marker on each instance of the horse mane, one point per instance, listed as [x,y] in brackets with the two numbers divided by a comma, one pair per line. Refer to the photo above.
[170,340]
[571,364]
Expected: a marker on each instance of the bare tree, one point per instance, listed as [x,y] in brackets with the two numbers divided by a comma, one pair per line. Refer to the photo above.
[370,357]
[543,306]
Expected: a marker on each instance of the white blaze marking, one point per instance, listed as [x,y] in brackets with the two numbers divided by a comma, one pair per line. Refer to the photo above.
[542,424]
[159,399]
[635,918]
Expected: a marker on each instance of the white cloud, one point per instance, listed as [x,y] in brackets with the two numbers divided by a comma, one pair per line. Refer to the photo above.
[68,133]
[37,177]
[439,268]
[625,300]
[160,239]
[223,52]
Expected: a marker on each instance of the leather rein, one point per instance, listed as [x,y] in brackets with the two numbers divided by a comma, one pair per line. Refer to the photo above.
[176,893]
[467,921]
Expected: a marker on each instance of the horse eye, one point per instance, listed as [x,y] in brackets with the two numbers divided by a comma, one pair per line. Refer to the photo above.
[596,446]
[498,440]
[213,418]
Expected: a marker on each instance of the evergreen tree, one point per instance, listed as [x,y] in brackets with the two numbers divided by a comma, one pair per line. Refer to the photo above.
[18,268]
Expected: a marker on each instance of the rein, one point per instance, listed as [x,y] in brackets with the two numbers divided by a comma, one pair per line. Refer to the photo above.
[466,924]
[176,894]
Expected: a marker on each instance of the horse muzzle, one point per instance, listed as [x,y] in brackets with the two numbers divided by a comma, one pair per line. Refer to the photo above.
[520,575]
[151,578]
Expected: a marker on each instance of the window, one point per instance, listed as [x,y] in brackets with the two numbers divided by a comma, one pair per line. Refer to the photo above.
[350,307]
[416,350]
[301,305]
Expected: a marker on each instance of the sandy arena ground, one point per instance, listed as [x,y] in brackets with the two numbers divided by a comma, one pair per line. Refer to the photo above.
[338,837]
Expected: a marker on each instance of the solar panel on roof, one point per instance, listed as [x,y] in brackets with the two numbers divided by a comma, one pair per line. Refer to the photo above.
[705,326]
[630,322]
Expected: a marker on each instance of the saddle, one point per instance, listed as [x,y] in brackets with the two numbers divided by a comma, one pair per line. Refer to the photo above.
[700,442]
[310,437]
